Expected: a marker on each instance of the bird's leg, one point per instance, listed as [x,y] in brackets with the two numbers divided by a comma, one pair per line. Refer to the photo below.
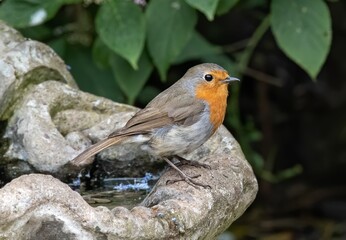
[183,161]
[185,177]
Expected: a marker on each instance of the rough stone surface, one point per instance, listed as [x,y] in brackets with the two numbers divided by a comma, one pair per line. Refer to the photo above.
[49,121]
[24,63]
[43,107]
[39,204]
[33,130]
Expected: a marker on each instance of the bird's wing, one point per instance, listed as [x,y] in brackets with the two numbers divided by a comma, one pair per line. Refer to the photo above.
[164,111]
[144,121]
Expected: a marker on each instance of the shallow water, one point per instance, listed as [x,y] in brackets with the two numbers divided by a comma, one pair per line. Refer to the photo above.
[112,192]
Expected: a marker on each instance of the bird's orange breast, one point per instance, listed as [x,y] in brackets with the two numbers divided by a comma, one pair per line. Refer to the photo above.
[215,94]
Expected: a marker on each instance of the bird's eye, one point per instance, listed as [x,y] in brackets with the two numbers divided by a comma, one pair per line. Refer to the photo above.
[208,77]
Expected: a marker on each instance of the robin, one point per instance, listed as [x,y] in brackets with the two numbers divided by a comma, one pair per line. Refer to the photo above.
[177,121]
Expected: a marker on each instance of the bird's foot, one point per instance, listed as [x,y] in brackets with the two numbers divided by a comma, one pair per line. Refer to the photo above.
[185,177]
[190,181]
[183,161]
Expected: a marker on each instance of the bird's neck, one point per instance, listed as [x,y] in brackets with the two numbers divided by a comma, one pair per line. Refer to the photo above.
[216,98]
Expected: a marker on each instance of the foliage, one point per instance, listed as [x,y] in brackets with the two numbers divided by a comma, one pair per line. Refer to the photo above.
[121,25]
[130,38]
[303,31]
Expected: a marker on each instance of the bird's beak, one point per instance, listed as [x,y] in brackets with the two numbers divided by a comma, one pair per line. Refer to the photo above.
[230,79]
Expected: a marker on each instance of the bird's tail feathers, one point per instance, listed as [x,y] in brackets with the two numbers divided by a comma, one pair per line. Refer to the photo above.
[84,157]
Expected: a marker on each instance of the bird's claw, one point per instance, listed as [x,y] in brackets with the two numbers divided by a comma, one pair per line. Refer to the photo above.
[190,181]
[185,177]
[183,161]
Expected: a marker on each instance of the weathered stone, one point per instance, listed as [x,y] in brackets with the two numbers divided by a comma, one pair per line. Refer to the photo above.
[37,204]
[25,63]
[40,114]
[49,121]
[34,136]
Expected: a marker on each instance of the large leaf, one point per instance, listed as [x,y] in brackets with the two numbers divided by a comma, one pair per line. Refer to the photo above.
[88,76]
[225,5]
[101,54]
[196,48]
[170,26]
[199,48]
[302,29]
[208,7]
[131,81]
[39,33]
[25,13]
[121,26]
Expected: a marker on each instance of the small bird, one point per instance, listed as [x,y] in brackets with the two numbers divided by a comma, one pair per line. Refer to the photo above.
[177,121]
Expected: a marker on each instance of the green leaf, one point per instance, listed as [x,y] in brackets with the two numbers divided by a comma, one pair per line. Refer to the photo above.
[225,5]
[39,33]
[121,26]
[88,76]
[208,7]
[131,81]
[170,26]
[302,29]
[26,13]
[196,48]
[199,48]
[101,54]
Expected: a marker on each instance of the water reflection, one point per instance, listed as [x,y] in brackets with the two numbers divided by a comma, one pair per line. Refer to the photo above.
[127,191]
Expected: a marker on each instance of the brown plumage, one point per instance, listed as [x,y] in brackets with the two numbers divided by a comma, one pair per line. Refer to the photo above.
[178,120]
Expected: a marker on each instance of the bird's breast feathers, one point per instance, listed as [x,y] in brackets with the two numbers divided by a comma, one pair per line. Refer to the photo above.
[216,100]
